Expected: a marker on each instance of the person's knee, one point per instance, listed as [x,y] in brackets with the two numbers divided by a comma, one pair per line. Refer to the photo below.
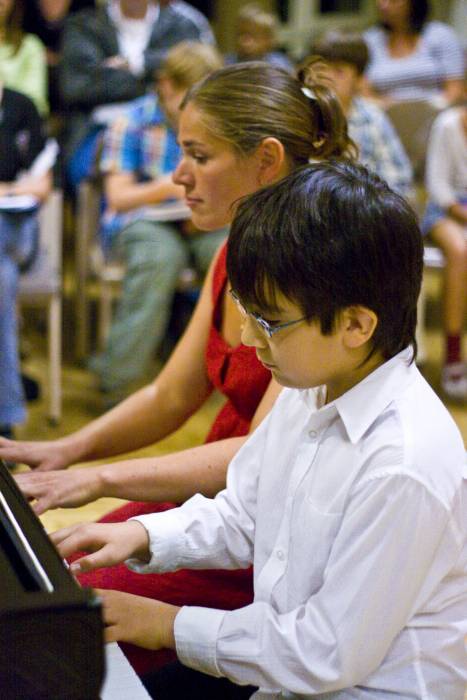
[149,246]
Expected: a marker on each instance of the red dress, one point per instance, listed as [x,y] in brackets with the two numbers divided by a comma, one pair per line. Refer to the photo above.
[237,373]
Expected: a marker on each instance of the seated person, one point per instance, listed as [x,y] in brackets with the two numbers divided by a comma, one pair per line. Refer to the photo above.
[256,38]
[380,149]
[46,19]
[140,152]
[23,63]
[446,222]
[356,535]
[23,171]
[109,57]
[412,58]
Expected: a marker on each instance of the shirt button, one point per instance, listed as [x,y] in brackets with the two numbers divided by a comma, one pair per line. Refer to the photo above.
[280,554]
[313,434]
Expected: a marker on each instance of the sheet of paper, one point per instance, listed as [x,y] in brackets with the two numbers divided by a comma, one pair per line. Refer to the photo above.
[18,202]
[121,682]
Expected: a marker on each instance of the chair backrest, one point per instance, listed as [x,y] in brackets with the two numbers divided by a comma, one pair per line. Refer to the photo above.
[45,275]
[412,121]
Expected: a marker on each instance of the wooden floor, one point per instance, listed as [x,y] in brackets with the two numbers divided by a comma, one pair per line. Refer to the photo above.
[82,402]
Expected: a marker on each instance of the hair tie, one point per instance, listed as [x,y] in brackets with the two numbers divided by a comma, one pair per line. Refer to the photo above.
[309,93]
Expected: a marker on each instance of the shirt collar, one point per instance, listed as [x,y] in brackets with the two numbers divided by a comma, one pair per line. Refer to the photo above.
[115,14]
[359,407]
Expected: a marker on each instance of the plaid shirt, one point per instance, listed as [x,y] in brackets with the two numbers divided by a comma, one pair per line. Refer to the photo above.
[139,142]
[380,148]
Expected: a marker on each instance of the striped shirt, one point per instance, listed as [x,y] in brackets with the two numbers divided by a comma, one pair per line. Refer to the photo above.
[437,57]
[380,149]
[139,142]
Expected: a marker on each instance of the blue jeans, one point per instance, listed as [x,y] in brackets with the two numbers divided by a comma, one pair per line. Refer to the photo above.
[19,235]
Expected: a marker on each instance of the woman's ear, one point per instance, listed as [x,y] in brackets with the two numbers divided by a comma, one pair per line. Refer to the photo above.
[358,324]
[271,159]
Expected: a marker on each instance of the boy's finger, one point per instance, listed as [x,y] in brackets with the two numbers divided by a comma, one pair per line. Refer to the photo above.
[97,560]
[60,535]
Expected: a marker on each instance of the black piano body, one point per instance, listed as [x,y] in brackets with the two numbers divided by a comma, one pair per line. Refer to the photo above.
[51,630]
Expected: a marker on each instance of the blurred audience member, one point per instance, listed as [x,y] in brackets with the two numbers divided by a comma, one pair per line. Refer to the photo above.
[256,38]
[109,56]
[46,19]
[446,222]
[23,64]
[412,58]
[346,56]
[140,152]
[198,18]
[25,181]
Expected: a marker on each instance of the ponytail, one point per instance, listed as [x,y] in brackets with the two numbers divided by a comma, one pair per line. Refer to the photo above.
[245,103]
[333,138]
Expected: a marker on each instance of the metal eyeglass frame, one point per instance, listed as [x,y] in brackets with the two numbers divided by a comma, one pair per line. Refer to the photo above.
[264,325]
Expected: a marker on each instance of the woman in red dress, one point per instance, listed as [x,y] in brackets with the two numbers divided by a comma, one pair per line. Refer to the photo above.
[243,127]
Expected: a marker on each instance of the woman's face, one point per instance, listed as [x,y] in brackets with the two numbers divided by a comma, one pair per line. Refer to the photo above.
[394,12]
[213,174]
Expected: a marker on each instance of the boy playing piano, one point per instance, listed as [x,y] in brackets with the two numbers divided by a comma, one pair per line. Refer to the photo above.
[347,498]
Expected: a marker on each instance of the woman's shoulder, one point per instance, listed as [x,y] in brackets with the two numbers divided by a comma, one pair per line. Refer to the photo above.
[439,32]
[374,34]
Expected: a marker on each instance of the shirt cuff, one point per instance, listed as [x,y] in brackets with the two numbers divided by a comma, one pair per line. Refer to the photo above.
[196,632]
[166,536]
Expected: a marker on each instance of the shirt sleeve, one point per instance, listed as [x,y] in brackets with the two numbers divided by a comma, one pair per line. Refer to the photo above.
[439,174]
[121,150]
[210,533]
[380,555]
[391,161]
[34,73]
[33,126]
[447,49]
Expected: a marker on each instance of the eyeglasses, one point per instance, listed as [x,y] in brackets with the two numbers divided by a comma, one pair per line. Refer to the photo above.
[265,326]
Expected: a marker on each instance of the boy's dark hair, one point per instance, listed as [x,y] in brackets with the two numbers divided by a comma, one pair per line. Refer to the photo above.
[338,46]
[329,236]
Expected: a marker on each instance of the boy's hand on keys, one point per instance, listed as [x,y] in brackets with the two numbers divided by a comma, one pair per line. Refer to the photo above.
[142,621]
[109,544]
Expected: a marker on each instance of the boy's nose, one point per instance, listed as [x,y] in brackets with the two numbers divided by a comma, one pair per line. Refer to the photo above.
[252,335]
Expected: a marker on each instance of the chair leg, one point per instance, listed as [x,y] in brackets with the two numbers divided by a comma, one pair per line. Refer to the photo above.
[55,359]
[104,313]
[420,331]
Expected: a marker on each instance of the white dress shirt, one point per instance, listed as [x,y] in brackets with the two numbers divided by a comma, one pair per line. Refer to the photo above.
[352,514]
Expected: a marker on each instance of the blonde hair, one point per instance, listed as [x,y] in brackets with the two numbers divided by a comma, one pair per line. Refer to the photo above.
[190,61]
[247,102]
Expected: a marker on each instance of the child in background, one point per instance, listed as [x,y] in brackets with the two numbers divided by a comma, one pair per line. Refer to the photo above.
[446,222]
[357,536]
[256,38]
[140,152]
[380,150]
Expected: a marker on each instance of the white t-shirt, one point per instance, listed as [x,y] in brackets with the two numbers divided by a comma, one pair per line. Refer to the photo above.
[133,34]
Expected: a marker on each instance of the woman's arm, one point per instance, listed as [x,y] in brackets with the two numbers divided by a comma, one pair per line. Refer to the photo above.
[39,186]
[123,192]
[174,477]
[143,418]
[453,91]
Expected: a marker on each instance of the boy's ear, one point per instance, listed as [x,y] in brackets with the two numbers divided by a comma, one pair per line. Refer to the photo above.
[359,324]
[271,160]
